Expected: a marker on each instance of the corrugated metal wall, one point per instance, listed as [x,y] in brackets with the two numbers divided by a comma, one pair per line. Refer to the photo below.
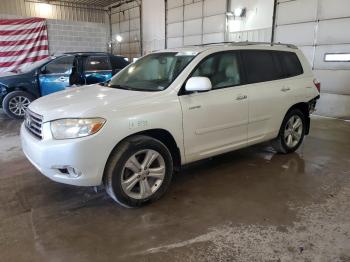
[319,27]
[126,23]
[30,9]
[191,22]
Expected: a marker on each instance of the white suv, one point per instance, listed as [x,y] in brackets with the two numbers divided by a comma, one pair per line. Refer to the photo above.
[168,109]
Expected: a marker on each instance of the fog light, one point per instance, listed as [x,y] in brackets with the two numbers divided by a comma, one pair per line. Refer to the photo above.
[68,171]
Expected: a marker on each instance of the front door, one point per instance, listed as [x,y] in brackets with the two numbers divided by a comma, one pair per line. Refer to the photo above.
[216,121]
[54,76]
[98,69]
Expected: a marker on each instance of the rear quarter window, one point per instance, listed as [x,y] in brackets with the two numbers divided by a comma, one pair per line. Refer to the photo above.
[118,62]
[291,64]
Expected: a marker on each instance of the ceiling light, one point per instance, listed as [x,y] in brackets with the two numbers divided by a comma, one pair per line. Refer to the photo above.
[238,12]
[119,38]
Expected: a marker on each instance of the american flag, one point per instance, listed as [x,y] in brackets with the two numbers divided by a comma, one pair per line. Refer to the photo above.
[22,42]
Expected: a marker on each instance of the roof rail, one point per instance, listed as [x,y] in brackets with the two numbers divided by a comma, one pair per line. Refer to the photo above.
[245,43]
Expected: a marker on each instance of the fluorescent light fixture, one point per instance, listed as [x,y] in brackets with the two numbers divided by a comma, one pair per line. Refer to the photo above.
[119,38]
[344,57]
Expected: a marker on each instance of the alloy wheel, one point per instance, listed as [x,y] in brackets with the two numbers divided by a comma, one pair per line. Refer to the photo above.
[293,131]
[18,105]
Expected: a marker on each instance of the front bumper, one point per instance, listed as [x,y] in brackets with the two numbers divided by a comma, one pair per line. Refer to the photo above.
[81,154]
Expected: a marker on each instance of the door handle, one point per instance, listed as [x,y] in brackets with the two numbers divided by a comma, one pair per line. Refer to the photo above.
[241,97]
[285,89]
[62,79]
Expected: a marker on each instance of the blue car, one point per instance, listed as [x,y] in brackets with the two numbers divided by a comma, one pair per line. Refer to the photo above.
[54,74]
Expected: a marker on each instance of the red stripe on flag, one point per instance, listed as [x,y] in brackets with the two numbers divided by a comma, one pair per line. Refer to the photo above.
[21,52]
[20,21]
[26,60]
[23,42]
[22,31]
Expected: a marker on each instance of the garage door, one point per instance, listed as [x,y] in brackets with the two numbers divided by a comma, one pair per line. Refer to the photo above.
[126,23]
[321,29]
[191,22]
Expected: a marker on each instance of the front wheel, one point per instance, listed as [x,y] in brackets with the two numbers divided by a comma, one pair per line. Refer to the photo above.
[16,103]
[138,172]
[292,132]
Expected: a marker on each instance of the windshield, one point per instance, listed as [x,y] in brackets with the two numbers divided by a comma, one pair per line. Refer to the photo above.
[30,67]
[154,72]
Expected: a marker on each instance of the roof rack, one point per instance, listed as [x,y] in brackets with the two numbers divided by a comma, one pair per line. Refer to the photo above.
[245,43]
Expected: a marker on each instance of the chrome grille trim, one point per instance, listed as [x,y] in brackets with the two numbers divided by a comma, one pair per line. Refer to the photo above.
[33,123]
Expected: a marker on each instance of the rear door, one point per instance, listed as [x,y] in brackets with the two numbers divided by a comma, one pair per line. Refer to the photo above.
[268,96]
[216,121]
[98,69]
[54,76]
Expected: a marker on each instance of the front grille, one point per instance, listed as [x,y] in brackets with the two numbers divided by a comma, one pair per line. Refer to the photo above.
[33,123]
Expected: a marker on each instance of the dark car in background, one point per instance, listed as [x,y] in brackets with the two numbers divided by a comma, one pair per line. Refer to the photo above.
[54,74]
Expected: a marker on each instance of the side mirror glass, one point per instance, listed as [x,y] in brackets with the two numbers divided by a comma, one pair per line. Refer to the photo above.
[198,84]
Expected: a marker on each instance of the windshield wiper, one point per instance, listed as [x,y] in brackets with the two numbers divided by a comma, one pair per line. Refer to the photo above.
[121,87]
[132,88]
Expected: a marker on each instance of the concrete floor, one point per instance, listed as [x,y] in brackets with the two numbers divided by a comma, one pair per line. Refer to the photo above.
[249,205]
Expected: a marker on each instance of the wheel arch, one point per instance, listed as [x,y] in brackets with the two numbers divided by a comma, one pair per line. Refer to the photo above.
[304,108]
[163,136]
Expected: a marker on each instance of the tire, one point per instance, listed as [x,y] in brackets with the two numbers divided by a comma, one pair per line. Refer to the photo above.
[15,104]
[290,138]
[125,167]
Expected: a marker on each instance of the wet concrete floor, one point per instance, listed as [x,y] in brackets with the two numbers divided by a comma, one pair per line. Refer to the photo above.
[248,205]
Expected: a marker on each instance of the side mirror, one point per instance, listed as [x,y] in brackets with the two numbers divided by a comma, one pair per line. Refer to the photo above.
[43,70]
[198,84]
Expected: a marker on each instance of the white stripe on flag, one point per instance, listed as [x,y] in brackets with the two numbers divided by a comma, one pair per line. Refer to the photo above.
[22,47]
[21,26]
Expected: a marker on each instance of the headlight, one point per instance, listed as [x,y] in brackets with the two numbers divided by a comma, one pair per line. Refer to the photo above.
[74,128]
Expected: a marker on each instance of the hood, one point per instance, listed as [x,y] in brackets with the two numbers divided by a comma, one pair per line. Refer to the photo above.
[87,101]
[4,74]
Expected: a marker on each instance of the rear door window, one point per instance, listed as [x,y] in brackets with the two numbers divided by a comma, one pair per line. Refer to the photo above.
[261,66]
[291,64]
[97,63]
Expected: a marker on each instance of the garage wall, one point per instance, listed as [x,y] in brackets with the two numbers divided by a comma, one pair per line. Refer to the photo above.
[126,23]
[153,25]
[319,27]
[70,36]
[256,25]
[191,22]
[30,9]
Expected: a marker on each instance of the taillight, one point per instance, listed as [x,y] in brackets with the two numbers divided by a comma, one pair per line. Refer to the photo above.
[317,84]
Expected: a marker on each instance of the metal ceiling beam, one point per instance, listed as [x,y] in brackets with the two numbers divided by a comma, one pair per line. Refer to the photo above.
[67,4]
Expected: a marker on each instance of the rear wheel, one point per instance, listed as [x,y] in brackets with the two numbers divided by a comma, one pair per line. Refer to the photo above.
[16,103]
[292,132]
[139,171]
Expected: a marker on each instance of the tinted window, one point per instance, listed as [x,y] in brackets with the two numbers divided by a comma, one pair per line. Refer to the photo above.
[222,69]
[291,64]
[61,65]
[118,62]
[97,63]
[261,66]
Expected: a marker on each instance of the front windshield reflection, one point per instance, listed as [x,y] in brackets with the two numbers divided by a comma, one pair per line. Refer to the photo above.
[154,72]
